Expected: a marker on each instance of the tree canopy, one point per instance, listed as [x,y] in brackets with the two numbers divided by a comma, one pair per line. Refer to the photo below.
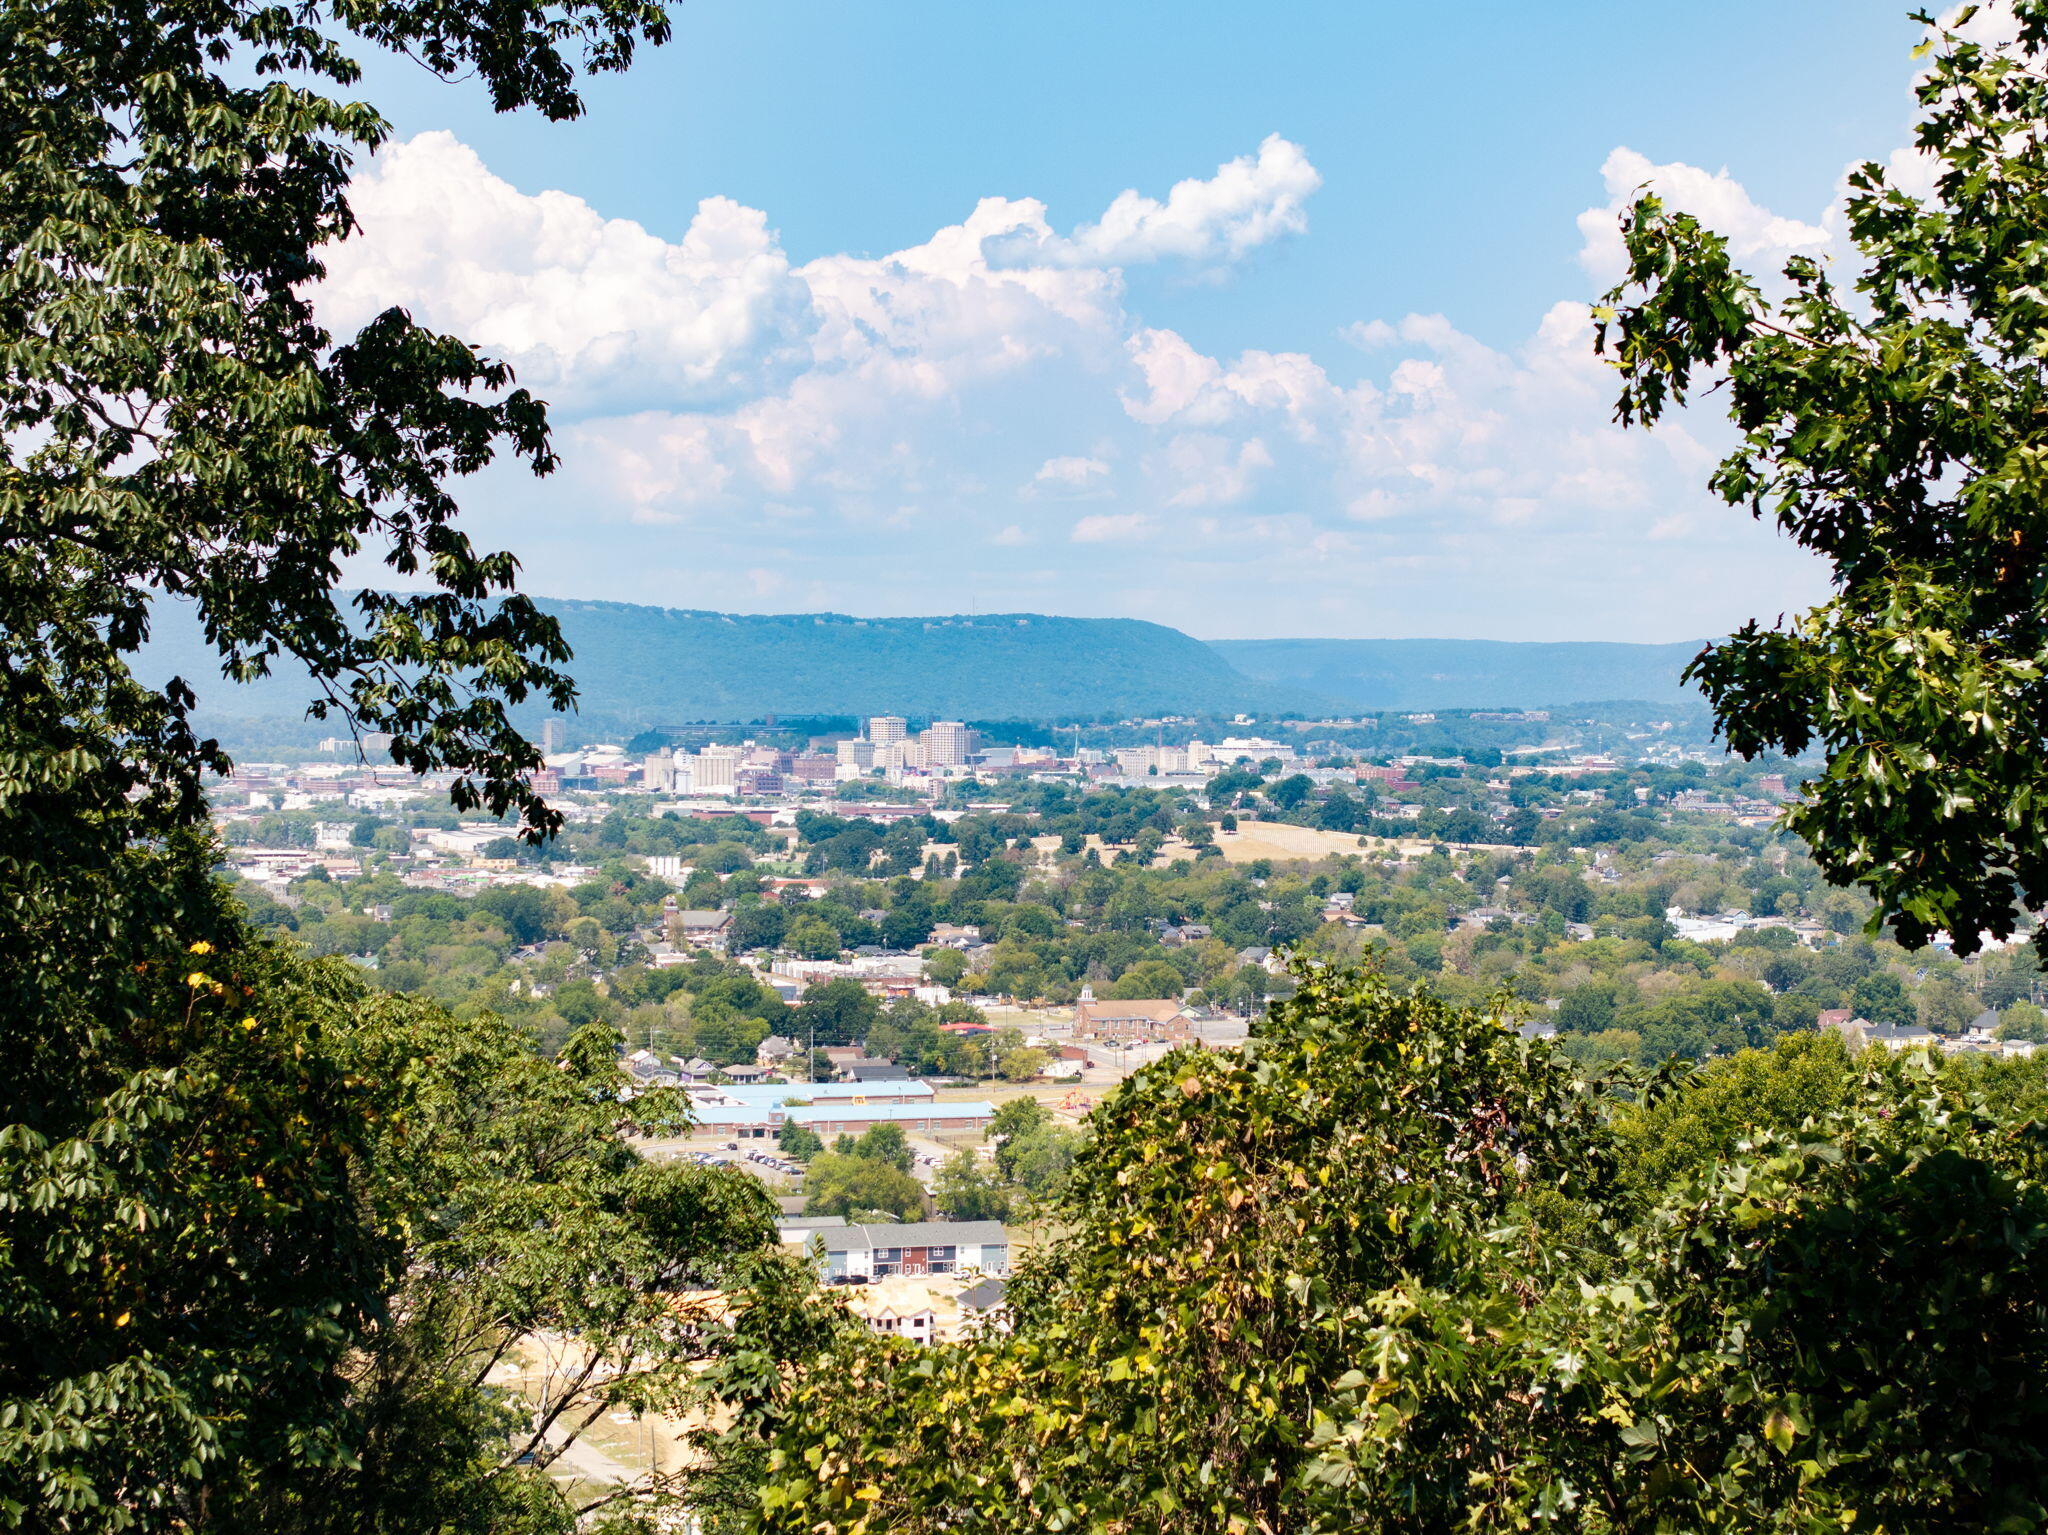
[1401,1270]
[190,1262]
[1893,415]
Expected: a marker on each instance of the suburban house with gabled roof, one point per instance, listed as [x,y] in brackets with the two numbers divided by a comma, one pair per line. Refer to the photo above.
[699,929]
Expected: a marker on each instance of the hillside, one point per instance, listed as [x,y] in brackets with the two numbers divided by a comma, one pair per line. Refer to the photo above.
[1468,674]
[640,666]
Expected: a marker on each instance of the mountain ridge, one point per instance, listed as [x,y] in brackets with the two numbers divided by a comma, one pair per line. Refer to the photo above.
[638,666]
[1470,674]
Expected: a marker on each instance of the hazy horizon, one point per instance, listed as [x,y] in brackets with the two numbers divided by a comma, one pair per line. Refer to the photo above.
[936,616]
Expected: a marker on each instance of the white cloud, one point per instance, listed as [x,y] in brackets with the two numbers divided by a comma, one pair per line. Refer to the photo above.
[1204,469]
[593,312]
[1111,528]
[1717,199]
[1249,202]
[1069,475]
[852,430]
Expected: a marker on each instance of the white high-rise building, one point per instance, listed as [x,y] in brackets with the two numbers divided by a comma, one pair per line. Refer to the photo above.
[887,729]
[946,743]
[857,754]
[714,770]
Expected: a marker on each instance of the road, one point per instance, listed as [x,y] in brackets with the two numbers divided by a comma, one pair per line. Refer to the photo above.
[583,1461]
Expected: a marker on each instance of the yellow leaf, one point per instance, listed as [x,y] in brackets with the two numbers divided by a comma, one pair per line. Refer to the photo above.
[1779,1429]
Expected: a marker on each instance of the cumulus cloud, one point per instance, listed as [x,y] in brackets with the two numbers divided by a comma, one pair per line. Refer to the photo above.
[593,312]
[855,430]
[1250,201]
[1206,469]
[1717,199]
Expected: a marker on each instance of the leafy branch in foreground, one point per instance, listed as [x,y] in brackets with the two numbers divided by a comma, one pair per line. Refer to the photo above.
[175,423]
[1398,1270]
[186,1263]
[1900,430]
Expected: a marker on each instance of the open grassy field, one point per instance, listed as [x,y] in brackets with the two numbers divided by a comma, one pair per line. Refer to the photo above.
[1273,840]
[1282,843]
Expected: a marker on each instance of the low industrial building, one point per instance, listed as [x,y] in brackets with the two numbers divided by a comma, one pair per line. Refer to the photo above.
[832,1108]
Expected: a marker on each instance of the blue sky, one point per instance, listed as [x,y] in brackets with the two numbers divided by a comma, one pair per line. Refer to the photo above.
[1335,384]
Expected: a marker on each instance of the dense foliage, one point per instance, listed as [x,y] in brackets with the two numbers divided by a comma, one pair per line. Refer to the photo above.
[190,1260]
[1893,427]
[1396,1269]
[311,1255]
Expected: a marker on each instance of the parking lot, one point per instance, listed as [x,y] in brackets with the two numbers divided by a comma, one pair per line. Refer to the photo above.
[766,1162]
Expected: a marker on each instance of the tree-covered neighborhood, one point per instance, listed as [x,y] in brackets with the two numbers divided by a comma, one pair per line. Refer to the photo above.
[1164,1099]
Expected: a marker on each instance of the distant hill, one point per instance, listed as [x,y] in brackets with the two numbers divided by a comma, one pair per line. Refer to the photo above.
[638,666]
[1468,674]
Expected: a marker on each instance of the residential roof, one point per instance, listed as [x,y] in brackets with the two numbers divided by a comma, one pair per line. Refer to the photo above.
[876,1071]
[841,1237]
[983,1294]
[898,1299]
[1156,1012]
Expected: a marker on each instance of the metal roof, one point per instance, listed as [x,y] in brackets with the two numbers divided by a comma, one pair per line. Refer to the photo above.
[841,1109]
[866,1237]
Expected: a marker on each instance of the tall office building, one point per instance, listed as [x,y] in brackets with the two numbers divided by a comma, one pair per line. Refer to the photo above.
[886,729]
[550,737]
[856,754]
[946,743]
